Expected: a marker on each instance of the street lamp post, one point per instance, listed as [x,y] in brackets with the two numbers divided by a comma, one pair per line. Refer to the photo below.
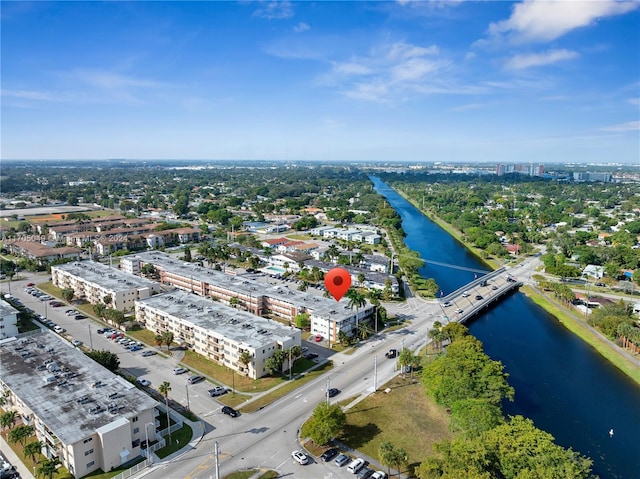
[186,386]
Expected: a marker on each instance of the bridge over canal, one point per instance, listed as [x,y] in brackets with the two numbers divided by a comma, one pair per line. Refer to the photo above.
[470,299]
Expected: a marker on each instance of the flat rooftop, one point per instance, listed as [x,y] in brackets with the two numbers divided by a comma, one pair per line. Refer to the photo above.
[110,278]
[6,309]
[319,306]
[72,394]
[237,325]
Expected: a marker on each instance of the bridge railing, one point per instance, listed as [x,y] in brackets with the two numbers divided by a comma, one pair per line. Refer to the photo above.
[474,283]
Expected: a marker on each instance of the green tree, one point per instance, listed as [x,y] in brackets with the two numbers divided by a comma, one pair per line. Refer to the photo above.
[164,389]
[466,372]
[67,294]
[20,433]
[106,358]
[158,339]
[167,338]
[475,416]
[187,254]
[107,299]
[32,450]
[8,419]
[302,321]
[325,423]
[389,456]
[99,309]
[357,301]
[245,359]
[48,468]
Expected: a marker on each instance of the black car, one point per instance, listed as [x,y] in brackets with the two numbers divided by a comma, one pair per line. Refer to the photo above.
[333,392]
[329,454]
[311,355]
[229,411]
[364,473]
[478,297]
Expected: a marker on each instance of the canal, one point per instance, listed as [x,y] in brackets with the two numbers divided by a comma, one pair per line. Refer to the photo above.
[561,382]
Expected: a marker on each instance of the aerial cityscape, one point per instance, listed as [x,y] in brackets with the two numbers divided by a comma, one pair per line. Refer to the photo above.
[320,240]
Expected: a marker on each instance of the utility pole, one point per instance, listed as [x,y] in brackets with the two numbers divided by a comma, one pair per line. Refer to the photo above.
[187,388]
[216,454]
[326,393]
[90,339]
[375,373]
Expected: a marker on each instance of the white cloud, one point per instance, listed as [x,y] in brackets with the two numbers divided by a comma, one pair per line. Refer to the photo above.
[468,106]
[33,95]
[528,60]
[301,27]
[546,20]
[623,127]
[634,101]
[275,11]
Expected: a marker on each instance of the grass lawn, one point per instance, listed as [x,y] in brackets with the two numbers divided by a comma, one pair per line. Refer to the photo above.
[406,417]
[62,472]
[49,288]
[100,474]
[576,326]
[286,388]
[179,439]
[250,472]
[224,374]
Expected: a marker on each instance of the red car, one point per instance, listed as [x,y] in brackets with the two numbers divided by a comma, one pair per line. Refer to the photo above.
[318,338]
[30,284]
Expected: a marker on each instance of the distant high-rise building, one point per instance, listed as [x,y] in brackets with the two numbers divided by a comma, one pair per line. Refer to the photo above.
[587,176]
[522,169]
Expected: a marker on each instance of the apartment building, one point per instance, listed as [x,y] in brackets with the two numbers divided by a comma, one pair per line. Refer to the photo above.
[94,281]
[8,320]
[83,414]
[327,317]
[218,332]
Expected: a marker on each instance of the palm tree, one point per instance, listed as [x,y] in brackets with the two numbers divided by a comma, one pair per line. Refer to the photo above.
[49,467]
[234,302]
[356,300]
[32,449]
[245,359]
[333,251]
[20,434]
[8,419]
[158,339]
[164,389]
[361,279]
[167,337]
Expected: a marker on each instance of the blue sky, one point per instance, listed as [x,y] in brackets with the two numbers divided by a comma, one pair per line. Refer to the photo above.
[531,81]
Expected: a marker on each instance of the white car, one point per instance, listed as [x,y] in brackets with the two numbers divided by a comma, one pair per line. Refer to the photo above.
[466,294]
[180,370]
[300,457]
[75,342]
[143,382]
[379,475]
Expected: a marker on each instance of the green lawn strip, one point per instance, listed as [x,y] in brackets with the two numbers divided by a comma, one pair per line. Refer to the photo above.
[607,349]
[50,289]
[224,374]
[269,475]
[62,472]
[406,417]
[179,439]
[147,337]
[287,388]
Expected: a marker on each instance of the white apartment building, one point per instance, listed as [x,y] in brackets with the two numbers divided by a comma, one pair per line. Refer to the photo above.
[85,415]
[218,332]
[8,320]
[93,281]
[327,316]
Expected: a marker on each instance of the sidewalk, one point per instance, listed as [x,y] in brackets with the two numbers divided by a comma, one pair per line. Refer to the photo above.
[14,460]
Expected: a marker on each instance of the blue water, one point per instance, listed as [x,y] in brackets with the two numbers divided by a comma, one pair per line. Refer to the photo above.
[561,383]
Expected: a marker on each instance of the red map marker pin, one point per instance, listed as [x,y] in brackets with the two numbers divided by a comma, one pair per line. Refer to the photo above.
[337,281]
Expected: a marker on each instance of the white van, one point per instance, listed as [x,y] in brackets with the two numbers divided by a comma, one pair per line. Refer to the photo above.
[355,466]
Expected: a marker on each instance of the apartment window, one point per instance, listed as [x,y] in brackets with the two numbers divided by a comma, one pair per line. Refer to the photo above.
[89,439]
[135,419]
[136,430]
[90,464]
[90,451]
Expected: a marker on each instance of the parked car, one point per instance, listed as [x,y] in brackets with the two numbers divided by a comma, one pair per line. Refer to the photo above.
[149,352]
[180,370]
[329,454]
[229,411]
[478,297]
[311,355]
[355,466]
[494,287]
[135,347]
[446,304]
[317,338]
[379,475]
[459,310]
[75,342]
[143,382]
[333,392]
[466,294]
[300,457]
[217,391]
[30,285]
[341,460]
[80,316]
[70,312]
[195,379]
[59,329]
[365,473]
